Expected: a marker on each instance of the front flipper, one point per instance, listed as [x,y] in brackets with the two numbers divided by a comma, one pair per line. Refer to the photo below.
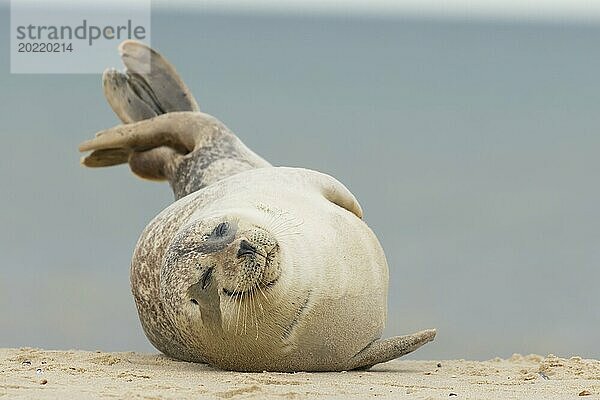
[389,349]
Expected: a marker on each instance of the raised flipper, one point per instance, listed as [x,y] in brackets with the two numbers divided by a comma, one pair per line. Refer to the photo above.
[189,149]
[129,96]
[180,130]
[165,86]
[389,349]
[165,136]
[149,86]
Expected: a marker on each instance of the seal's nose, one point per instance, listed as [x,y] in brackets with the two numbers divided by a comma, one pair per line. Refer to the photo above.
[246,249]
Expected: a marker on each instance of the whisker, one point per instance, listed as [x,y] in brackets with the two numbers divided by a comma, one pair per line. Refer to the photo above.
[244,317]
[262,292]
[229,302]
[285,226]
[254,309]
[276,222]
[239,307]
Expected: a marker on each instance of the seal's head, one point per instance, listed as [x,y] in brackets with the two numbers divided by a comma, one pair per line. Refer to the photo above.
[227,255]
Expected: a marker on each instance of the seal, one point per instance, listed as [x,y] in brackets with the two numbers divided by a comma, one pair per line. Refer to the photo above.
[253,267]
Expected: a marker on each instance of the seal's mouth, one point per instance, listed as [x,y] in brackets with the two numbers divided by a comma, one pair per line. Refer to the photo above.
[243,293]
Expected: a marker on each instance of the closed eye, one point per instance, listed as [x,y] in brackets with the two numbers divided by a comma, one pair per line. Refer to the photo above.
[205,280]
[221,229]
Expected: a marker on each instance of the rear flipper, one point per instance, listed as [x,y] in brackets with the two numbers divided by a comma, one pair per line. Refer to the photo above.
[389,349]
[165,136]
[189,149]
[148,87]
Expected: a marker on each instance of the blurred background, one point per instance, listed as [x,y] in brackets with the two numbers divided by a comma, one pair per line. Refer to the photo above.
[468,133]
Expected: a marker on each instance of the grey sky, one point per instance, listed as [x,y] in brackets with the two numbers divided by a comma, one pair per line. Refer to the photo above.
[572,10]
[582,10]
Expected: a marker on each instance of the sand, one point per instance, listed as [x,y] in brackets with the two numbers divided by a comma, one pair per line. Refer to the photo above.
[42,374]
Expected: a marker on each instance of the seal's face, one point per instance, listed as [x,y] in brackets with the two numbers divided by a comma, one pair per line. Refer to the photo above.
[246,258]
[218,261]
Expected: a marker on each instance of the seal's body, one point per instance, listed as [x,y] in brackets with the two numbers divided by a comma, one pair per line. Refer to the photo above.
[321,297]
[254,267]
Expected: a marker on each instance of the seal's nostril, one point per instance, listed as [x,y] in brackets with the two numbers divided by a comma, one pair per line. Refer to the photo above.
[246,249]
[194,301]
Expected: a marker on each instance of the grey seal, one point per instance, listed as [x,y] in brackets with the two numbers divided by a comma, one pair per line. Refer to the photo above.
[253,267]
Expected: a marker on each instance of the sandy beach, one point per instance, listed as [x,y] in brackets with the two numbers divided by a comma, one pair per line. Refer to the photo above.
[42,374]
